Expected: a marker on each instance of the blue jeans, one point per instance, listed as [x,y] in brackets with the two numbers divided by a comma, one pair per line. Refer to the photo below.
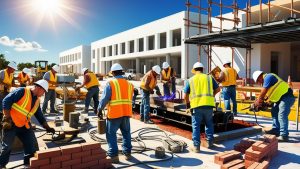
[167,87]
[229,93]
[112,126]
[145,105]
[93,92]
[25,135]
[280,112]
[204,113]
[50,95]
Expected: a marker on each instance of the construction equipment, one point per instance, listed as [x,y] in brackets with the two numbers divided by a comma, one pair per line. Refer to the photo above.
[41,68]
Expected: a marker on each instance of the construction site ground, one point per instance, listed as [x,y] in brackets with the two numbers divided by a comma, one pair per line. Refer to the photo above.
[288,155]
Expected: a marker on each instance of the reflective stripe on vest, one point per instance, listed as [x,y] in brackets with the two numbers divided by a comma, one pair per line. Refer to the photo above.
[53,78]
[201,91]
[277,90]
[152,82]
[23,78]
[166,76]
[230,77]
[120,104]
[21,112]
[93,80]
[8,79]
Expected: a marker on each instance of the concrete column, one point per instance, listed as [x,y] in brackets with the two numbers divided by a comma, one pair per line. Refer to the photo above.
[113,50]
[102,67]
[127,47]
[146,43]
[157,41]
[137,65]
[158,61]
[136,45]
[168,58]
[169,38]
[106,51]
[120,49]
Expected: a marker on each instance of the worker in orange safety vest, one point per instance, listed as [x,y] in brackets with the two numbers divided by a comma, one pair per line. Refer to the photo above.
[24,78]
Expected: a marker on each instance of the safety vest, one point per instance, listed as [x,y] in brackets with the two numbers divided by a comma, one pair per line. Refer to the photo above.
[21,111]
[201,90]
[166,76]
[230,77]
[8,78]
[23,78]
[53,78]
[152,83]
[277,90]
[120,103]
[93,80]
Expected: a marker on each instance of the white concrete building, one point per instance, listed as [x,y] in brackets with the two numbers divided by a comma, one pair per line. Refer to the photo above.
[73,60]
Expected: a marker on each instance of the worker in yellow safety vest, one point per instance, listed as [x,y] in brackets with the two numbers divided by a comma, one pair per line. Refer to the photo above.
[18,108]
[51,77]
[199,92]
[6,81]
[228,79]
[91,83]
[168,78]
[24,78]
[277,92]
[148,84]
[117,95]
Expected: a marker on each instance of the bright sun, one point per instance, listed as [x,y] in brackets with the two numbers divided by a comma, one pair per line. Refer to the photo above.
[46,6]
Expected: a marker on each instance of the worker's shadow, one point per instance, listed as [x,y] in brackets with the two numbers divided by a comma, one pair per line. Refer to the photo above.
[179,161]
[283,158]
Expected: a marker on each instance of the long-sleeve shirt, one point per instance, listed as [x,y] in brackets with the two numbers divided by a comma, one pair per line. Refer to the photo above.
[15,96]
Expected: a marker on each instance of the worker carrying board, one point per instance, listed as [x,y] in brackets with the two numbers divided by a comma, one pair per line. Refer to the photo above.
[18,108]
[168,78]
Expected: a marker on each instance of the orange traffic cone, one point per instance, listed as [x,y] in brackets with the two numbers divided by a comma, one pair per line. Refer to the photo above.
[289,81]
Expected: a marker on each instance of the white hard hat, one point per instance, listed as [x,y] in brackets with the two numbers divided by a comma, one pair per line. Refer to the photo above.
[256,74]
[156,69]
[26,70]
[116,67]
[83,70]
[55,68]
[197,65]
[42,83]
[165,65]
[12,65]
[226,61]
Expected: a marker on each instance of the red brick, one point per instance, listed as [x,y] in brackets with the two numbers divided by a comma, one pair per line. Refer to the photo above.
[247,142]
[256,145]
[34,162]
[253,166]
[90,146]
[232,163]
[52,152]
[248,163]
[229,157]
[263,165]
[98,151]
[71,162]
[61,158]
[51,166]
[70,149]
[78,166]
[239,166]
[89,164]
[217,156]
[270,138]
[91,158]
[255,154]
[81,154]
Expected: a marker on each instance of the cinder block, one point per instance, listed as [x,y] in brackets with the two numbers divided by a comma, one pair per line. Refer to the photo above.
[34,162]
[78,155]
[61,158]
[71,162]
[232,163]
[52,152]
[70,149]
[90,146]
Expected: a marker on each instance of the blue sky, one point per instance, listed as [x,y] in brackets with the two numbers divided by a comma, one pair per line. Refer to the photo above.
[26,36]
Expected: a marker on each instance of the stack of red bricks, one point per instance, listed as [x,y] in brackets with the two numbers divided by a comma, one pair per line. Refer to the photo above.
[243,145]
[258,154]
[76,156]
[261,152]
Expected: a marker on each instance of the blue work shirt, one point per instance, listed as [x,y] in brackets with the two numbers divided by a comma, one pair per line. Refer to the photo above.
[46,76]
[186,88]
[15,96]
[106,95]
[269,81]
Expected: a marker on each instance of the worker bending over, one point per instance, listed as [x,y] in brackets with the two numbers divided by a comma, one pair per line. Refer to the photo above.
[51,77]
[228,78]
[6,82]
[168,78]
[199,94]
[117,95]
[91,83]
[148,84]
[18,108]
[24,78]
[278,92]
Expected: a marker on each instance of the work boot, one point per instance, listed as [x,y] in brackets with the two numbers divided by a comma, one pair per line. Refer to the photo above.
[149,122]
[195,149]
[210,144]
[128,156]
[272,131]
[142,119]
[114,160]
[283,139]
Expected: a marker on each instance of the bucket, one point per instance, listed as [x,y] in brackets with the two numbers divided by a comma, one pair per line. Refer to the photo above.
[101,126]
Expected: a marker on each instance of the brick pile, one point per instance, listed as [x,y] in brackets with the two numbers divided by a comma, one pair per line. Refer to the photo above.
[76,156]
[258,154]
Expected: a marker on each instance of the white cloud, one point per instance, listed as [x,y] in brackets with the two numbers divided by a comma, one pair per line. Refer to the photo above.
[7,51]
[21,45]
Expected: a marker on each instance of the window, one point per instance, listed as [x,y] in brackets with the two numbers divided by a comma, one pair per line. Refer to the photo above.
[131,46]
[116,49]
[141,44]
[94,67]
[163,40]
[110,51]
[93,54]
[274,62]
[103,52]
[151,42]
[123,48]
[176,37]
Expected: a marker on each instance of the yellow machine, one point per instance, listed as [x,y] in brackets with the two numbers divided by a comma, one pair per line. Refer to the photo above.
[41,68]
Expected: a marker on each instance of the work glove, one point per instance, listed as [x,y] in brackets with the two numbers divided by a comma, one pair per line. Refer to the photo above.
[6,123]
[100,114]
[50,130]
